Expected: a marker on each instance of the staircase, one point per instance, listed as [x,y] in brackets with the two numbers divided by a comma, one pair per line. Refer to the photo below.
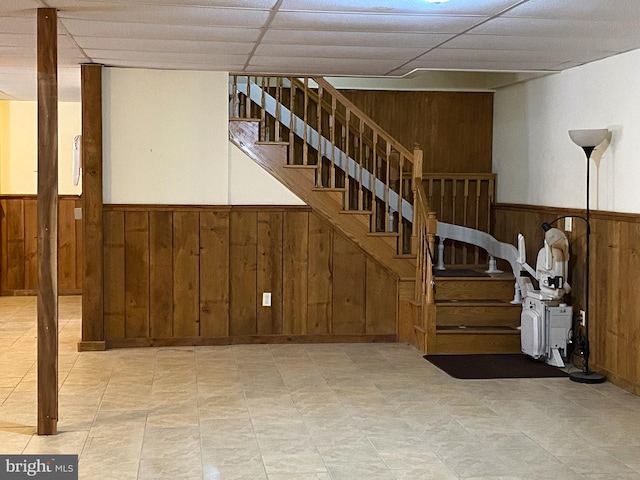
[474,314]
[343,165]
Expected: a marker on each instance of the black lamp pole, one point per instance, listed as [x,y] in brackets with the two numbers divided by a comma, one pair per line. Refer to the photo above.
[586,375]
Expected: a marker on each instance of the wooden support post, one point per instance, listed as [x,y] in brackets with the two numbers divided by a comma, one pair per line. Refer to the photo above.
[92,286]
[47,222]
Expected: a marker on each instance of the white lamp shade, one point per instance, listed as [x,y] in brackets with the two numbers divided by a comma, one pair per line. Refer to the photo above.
[588,138]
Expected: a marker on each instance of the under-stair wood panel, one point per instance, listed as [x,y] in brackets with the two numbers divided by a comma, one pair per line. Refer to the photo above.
[300,180]
[213,264]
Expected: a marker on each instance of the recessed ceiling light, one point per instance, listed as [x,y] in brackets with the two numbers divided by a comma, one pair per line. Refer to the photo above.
[436,1]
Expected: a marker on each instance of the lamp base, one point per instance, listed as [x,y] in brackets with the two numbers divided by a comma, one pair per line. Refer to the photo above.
[591,377]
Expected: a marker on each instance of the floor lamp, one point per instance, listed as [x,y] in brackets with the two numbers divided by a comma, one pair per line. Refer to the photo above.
[588,140]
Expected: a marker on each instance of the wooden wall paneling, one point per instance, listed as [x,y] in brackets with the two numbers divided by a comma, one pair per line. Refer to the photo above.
[381,298]
[320,278]
[160,274]
[15,245]
[214,274]
[455,128]
[136,247]
[629,295]
[66,246]
[186,274]
[114,275]
[269,272]
[295,274]
[606,327]
[31,244]
[242,272]
[4,256]
[348,287]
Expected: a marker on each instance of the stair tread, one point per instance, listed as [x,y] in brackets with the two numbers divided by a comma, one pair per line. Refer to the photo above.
[356,212]
[240,119]
[490,302]
[457,330]
[311,167]
[271,143]
[328,189]
[384,234]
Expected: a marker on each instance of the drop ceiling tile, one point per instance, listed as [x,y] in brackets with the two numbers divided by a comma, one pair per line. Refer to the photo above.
[480,65]
[468,7]
[86,28]
[259,4]
[534,56]
[354,39]
[18,24]
[341,52]
[19,6]
[168,46]
[557,28]
[168,59]
[503,42]
[170,15]
[355,22]
[616,11]
[319,65]
[227,67]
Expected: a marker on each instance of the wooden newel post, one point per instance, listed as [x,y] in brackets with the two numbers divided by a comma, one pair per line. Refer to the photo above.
[415,179]
[47,222]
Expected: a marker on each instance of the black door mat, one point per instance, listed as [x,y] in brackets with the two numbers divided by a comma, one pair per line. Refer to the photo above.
[503,365]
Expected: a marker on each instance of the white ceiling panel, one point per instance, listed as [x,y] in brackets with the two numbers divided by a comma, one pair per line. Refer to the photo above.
[532,27]
[468,7]
[354,22]
[354,39]
[174,15]
[259,4]
[111,57]
[571,44]
[603,10]
[331,37]
[168,46]
[83,28]
[292,50]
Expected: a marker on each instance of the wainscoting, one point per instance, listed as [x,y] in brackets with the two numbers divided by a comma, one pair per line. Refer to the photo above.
[614,286]
[196,275]
[19,246]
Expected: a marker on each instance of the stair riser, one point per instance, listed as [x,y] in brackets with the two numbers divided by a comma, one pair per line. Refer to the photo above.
[478,316]
[476,289]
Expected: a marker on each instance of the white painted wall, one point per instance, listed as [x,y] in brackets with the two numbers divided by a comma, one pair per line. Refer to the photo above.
[536,161]
[19,147]
[166,141]
[165,137]
[250,184]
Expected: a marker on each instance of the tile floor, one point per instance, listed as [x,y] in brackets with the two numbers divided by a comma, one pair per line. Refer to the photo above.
[304,412]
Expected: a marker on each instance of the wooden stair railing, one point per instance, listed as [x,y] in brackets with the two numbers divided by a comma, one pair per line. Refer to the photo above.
[462,199]
[349,151]
[350,155]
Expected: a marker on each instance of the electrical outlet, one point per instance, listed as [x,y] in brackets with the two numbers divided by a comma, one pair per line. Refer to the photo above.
[266,299]
[568,224]
[581,317]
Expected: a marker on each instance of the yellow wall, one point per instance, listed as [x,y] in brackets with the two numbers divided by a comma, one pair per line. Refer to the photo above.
[19,146]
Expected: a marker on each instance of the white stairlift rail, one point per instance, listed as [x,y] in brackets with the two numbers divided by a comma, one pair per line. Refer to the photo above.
[492,246]
[322,144]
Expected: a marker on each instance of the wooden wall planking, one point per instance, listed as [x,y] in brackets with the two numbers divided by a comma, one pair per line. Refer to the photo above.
[455,129]
[214,273]
[19,254]
[613,304]
[222,259]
